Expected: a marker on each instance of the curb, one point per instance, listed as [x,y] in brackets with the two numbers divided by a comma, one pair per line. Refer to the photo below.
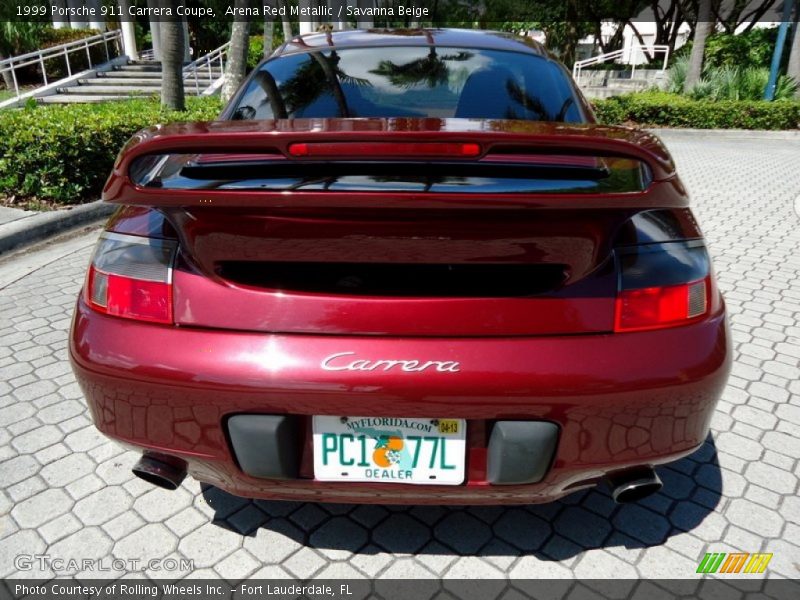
[29,230]
[726,133]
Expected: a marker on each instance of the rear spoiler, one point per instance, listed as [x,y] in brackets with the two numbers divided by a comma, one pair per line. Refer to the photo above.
[374,141]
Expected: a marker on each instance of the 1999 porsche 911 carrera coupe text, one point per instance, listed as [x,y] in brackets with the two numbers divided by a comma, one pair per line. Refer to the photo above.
[402,267]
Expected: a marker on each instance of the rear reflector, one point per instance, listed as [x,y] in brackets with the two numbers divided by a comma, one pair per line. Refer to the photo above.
[131,277]
[343,150]
[658,307]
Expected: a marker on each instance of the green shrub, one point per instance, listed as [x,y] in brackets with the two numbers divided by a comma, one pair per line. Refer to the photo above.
[255,51]
[676,75]
[751,49]
[728,83]
[55,37]
[735,83]
[610,111]
[663,109]
[19,37]
[65,153]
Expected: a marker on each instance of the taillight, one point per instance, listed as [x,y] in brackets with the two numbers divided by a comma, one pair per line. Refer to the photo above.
[662,285]
[131,277]
[655,307]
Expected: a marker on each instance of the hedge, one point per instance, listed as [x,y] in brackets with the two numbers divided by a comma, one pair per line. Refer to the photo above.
[65,153]
[671,110]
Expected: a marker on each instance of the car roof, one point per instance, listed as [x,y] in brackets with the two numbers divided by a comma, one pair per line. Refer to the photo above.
[365,38]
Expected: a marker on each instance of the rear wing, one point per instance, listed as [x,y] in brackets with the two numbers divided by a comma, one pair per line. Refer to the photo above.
[389,163]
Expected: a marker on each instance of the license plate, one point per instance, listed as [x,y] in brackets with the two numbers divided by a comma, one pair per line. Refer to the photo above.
[389,450]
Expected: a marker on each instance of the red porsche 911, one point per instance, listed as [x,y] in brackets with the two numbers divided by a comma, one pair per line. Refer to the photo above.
[402,267]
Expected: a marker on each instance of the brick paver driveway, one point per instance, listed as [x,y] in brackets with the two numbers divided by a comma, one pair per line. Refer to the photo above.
[67,492]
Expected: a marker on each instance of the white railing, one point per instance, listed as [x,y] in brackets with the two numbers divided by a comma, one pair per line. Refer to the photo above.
[39,57]
[204,67]
[147,55]
[630,55]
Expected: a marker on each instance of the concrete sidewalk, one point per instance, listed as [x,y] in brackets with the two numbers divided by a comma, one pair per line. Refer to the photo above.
[10,215]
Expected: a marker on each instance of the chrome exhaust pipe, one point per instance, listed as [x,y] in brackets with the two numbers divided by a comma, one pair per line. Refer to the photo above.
[161,470]
[634,484]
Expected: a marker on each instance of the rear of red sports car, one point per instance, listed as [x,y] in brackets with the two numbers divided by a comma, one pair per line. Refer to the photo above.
[402,269]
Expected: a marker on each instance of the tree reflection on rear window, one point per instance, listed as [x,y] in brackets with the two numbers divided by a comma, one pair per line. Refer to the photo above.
[396,81]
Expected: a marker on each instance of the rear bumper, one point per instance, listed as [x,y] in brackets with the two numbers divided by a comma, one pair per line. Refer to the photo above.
[619,400]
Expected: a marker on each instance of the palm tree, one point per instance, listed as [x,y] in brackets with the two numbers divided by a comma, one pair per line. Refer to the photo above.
[432,70]
[318,76]
[702,30]
[172,51]
[237,54]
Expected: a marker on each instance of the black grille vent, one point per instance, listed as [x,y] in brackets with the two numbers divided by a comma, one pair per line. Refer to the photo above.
[397,279]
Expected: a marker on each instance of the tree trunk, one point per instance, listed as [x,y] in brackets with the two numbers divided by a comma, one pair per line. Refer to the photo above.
[306,24]
[172,43]
[269,28]
[59,20]
[8,80]
[286,23]
[77,22]
[237,55]
[640,39]
[793,69]
[187,54]
[338,19]
[365,22]
[571,35]
[702,29]
[98,21]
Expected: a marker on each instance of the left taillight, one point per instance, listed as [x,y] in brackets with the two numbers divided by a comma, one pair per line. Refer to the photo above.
[131,277]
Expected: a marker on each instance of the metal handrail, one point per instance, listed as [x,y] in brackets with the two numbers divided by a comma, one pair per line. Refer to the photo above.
[632,55]
[62,50]
[206,63]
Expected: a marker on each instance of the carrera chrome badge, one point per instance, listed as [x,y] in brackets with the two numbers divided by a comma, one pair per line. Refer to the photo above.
[348,361]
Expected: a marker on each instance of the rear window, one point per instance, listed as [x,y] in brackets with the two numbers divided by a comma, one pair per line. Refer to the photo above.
[396,81]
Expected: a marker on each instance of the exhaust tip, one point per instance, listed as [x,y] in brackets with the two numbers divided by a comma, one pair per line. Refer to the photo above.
[634,484]
[166,472]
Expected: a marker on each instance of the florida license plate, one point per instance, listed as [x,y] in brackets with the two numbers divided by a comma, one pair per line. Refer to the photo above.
[389,450]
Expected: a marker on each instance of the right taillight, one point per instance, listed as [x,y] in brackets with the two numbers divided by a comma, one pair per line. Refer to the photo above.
[131,277]
[662,285]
